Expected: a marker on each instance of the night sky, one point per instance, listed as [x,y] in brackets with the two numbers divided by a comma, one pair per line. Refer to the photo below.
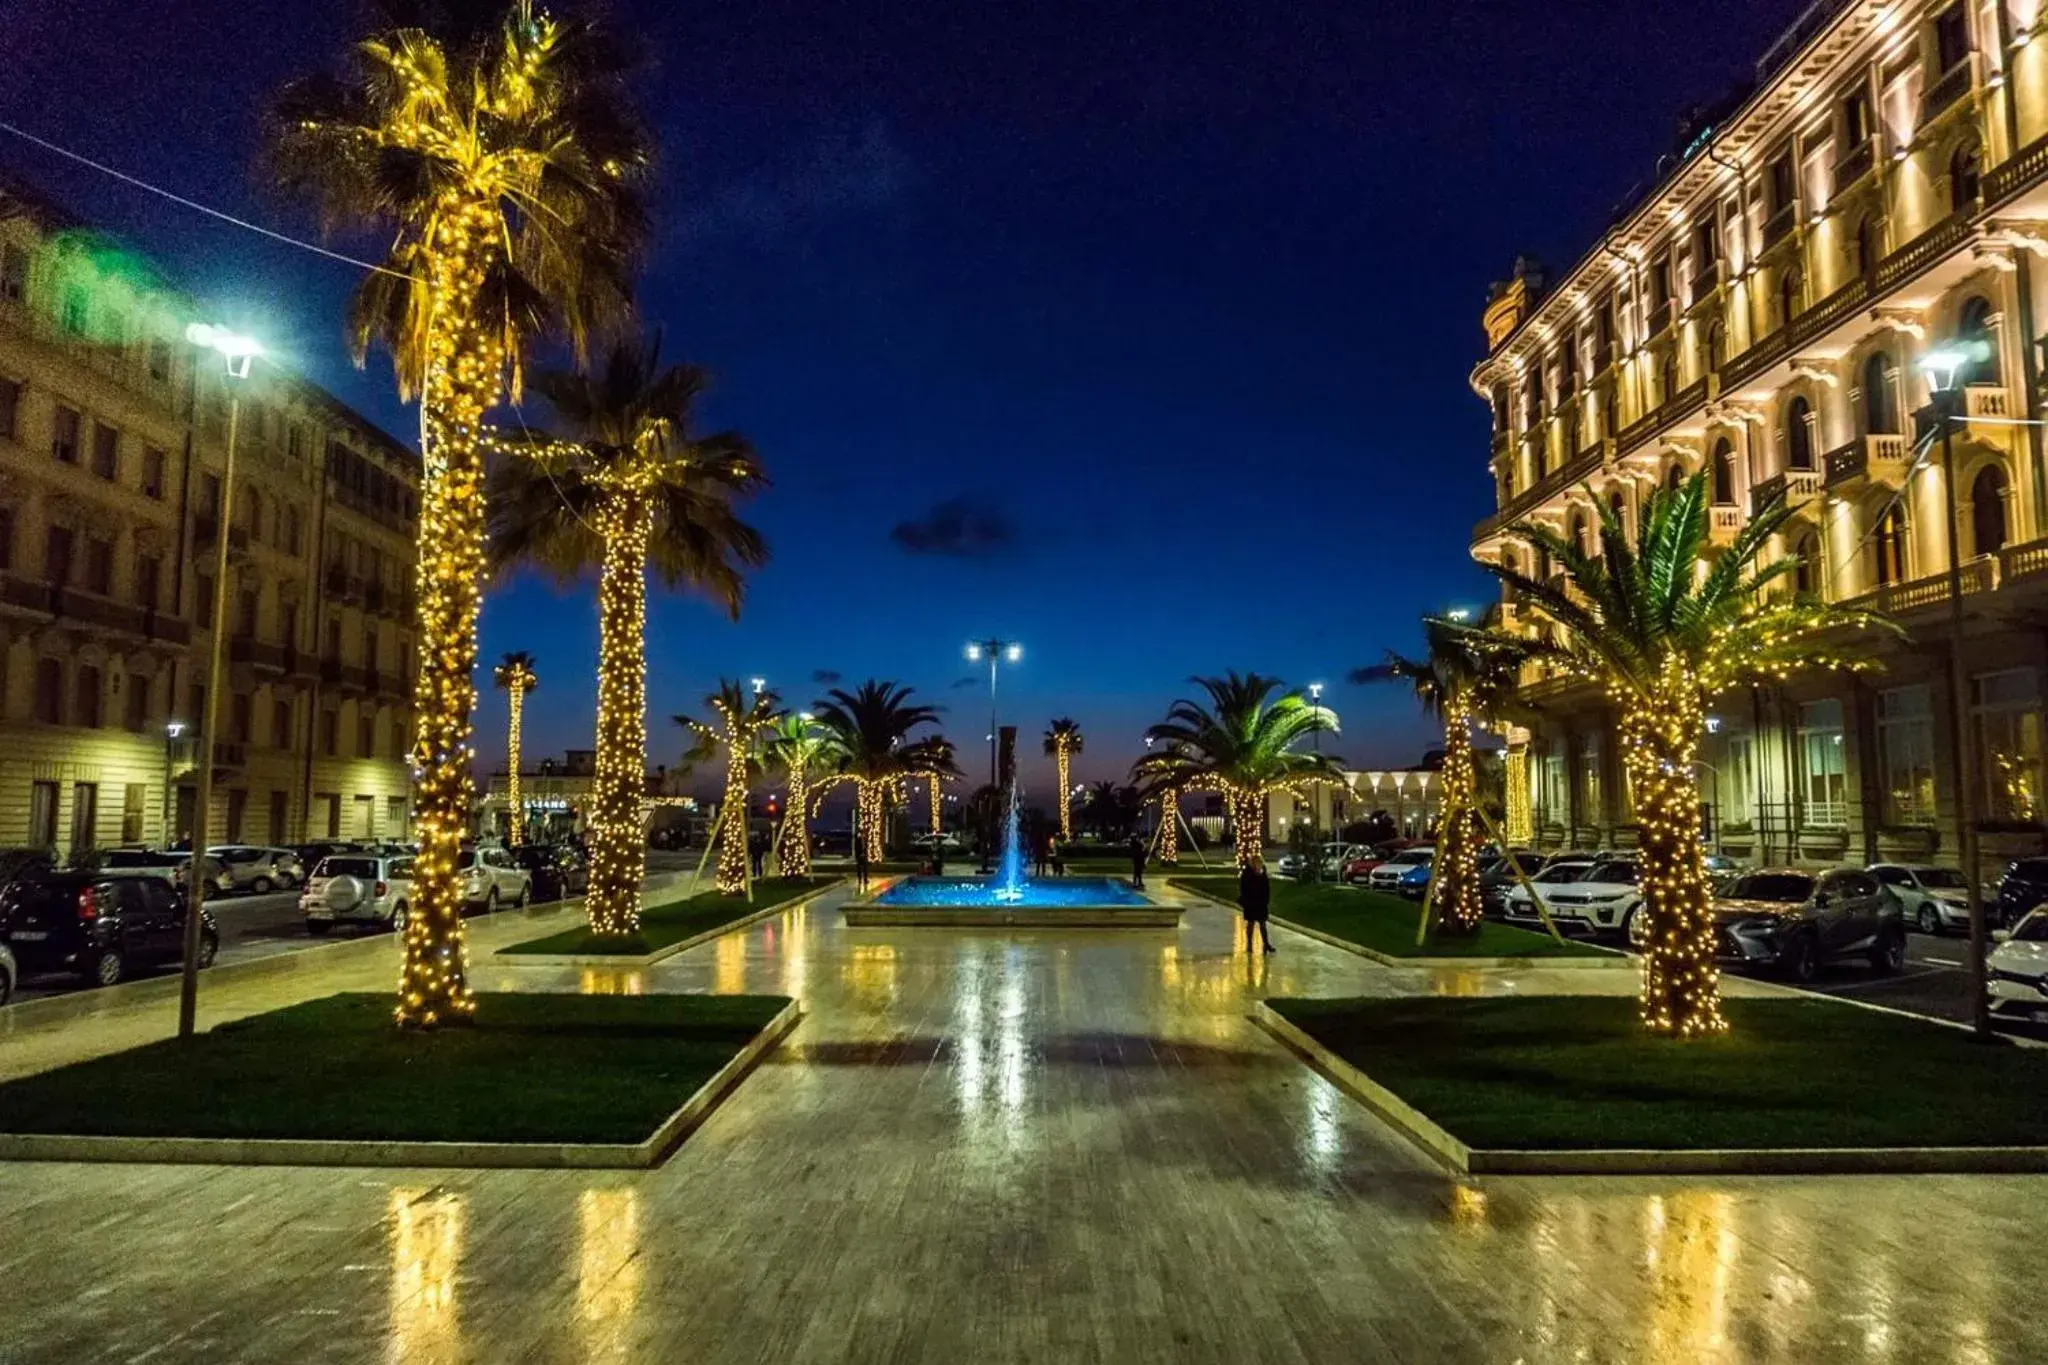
[1135,331]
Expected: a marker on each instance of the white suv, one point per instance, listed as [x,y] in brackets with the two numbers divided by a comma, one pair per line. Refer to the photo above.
[1603,899]
[491,879]
[356,888]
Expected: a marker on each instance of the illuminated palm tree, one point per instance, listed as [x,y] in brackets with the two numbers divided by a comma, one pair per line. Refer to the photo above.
[1062,741]
[1242,743]
[1465,677]
[515,674]
[629,489]
[1661,637]
[743,719]
[871,730]
[502,163]
[798,746]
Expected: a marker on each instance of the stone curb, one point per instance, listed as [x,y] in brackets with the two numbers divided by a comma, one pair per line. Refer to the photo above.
[185,1151]
[506,957]
[1457,1156]
[869,916]
[1608,957]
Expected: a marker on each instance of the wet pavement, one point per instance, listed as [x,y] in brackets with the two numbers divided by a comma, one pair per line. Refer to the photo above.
[987,1147]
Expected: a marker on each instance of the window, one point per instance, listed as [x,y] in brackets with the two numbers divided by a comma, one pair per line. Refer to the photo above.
[1717,345]
[1951,39]
[330,733]
[1799,434]
[1855,118]
[1779,184]
[281,723]
[99,566]
[106,451]
[1905,743]
[90,689]
[288,625]
[1880,407]
[1790,284]
[203,604]
[279,819]
[10,408]
[149,576]
[1866,244]
[1987,510]
[160,360]
[153,473]
[239,717]
[1822,784]
[2008,713]
[369,646]
[134,801]
[72,315]
[1667,375]
[1724,473]
[1965,178]
[42,814]
[57,555]
[1888,546]
[49,698]
[135,702]
[366,733]
[209,495]
[13,273]
[293,541]
[85,815]
[64,435]
[1806,579]
[245,624]
[195,705]
[1674,478]
[1977,329]
[1617,507]
[1590,808]
[1581,535]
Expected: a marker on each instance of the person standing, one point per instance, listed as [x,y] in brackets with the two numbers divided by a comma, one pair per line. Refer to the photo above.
[1255,901]
[860,862]
[938,856]
[1059,857]
[1137,862]
[1041,855]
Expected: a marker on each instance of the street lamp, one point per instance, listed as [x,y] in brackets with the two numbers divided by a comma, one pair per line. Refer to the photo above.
[995,651]
[172,729]
[1944,366]
[237,353]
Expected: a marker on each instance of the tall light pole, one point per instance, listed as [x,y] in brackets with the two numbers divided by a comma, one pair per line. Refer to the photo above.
[996,652]
[1944,412]
[172,729]
[238,352]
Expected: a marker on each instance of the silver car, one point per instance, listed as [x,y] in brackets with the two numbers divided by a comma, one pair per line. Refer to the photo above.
[356,888]
[257,869]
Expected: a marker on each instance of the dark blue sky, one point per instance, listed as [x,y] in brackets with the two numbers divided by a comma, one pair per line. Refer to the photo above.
[1137,331]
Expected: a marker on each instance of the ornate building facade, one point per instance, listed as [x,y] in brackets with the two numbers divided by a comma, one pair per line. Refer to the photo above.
[113,444]
[1759,315]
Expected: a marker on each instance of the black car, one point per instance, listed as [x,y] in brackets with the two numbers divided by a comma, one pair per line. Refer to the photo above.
[101,927]
[22,862]
[557,872]
[2025,887]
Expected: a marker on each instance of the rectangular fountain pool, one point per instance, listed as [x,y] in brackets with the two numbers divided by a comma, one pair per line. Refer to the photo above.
[1059,902]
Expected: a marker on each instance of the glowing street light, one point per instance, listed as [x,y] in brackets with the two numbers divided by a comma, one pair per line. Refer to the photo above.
[993,650]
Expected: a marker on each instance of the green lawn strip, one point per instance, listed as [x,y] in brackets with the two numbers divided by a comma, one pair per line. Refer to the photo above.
[672,921]
[532,1068]
[1563,1072]
[1386,924]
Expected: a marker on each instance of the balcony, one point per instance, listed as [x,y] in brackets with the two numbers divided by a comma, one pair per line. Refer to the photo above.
[1979,575]
[229,756]
[1854,166]
[1987,400]
[1796,486]
[1705,283]
[2024,563]
[1946,91]
[1724,524]
[2018,171]
[344,586]
[1884,458]
[1779,224]
[266,659]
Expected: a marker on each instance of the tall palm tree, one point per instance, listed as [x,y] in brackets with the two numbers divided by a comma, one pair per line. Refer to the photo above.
[1661,637]
[1112,808]
[626,488]
[744,719]
[1242,742]
[515,674]
[871,728]
[1063,740]
[502,162]
[798,746]
[1464,677]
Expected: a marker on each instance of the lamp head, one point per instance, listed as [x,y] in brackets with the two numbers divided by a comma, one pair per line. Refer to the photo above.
[174,728]
[1942,364]
[1014,653]
[974,653]
[237,350]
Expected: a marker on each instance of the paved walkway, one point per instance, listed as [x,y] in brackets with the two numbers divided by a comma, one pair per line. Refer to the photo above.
[1053,1147]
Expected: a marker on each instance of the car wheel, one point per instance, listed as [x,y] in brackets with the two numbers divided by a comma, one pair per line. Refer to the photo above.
[1628,924]
[318,927]
[491,902]
[263,886]
[6,988]
[209,949]
[525,895]
[398,918]
[108,968]
[1888,954]
[1930,921]
[1801,960]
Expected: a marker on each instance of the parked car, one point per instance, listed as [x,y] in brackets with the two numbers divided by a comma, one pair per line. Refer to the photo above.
[832,843]
[1791,922]
[1602,899]
[2024,889]
[151,862]
[1933,899]
[356,888]
[556,871]
[1336,857]
[1555,873]
[100,926]
[309,855]
[1358,869]
[257,869]
[21,862]
[2018,968]
[1414,883]
[8,974]
[946,839]
[1387,876]
[218,881]
[491,879]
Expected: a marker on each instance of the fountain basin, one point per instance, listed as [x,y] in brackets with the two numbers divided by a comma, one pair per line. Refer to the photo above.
[1063,902]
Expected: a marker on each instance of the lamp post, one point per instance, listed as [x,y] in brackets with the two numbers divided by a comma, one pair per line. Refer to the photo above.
[237,352]
[172,729]
[995,651]
[1944,412]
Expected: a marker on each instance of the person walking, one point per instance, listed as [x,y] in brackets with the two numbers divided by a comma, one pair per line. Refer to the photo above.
[1255,901]
[938,856]
[757,850]
[1137,862]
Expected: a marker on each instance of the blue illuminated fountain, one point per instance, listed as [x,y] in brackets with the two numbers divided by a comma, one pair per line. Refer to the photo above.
[1008,885]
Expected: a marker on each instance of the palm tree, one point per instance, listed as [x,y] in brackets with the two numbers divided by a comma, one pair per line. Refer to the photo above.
[1464,677]
[628,489]
[515,674]
[1112,809]
[744,718]
[1243,744]
[1661,636]
[1062,741]
[871,728]
[502,162]
[798,746]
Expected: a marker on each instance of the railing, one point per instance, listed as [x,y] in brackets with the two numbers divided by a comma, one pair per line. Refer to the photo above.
[1922,251]
[1866,455]
[344,585]
[2020,563]
[1946,91]
[229,754]
[1544,489]
[2017,171]
[1986,400]
[1979,575]
[1779,224]
[257,654]
[1854,166]
[1796,486]
[1706,282]
[1724,524]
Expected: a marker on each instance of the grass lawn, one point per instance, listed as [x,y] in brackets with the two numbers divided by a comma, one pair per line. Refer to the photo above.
[1577,1072]
[533,1068]
[1386,924]
[673,921]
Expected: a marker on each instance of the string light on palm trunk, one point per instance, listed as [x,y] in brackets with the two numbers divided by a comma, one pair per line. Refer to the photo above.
[517,677]
[618,850]
[1456,866]
[1169,826]
[1660,747]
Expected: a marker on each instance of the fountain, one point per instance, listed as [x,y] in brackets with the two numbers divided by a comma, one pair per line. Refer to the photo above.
[1009,882]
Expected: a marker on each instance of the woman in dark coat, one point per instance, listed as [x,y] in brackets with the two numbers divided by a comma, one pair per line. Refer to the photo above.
[1255,900]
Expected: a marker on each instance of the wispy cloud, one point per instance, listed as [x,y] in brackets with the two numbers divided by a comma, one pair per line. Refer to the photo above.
[957,528]
[825,677]
[844,170]
[971,680]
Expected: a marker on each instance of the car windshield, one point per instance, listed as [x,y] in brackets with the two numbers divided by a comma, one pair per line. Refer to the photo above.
[347,867]
[1562,872]
[2032,929]
[1942,879]
[1621,874]
[130,857]
[1785,888]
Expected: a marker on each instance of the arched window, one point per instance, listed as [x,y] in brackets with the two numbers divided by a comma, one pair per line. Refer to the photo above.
[1667,374]
[1965,178]
[1880,397]
[1888,546]
[1806,579]
[1617,506]
[1717,345]
[1979,335]
[1987,510]
[1542,564]
[1865,245]
[1724,473]
[1799,434]
[1789,283]
[1674,477]
[1581,534]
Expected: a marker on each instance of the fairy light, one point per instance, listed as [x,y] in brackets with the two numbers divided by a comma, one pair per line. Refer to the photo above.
[517,677]
[738,731]
[624,517]
[1169,826]
[1063,740]
[1455,869]
[933,780]
[1521,828]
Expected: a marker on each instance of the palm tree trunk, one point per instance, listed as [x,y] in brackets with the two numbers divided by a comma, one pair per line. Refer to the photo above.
[516,705]
[1061,758]
[618,848]
[1169,828]
[1456,869]
[732,845]
[869,792]
[794,858]
[1247,823]
[1681,986]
